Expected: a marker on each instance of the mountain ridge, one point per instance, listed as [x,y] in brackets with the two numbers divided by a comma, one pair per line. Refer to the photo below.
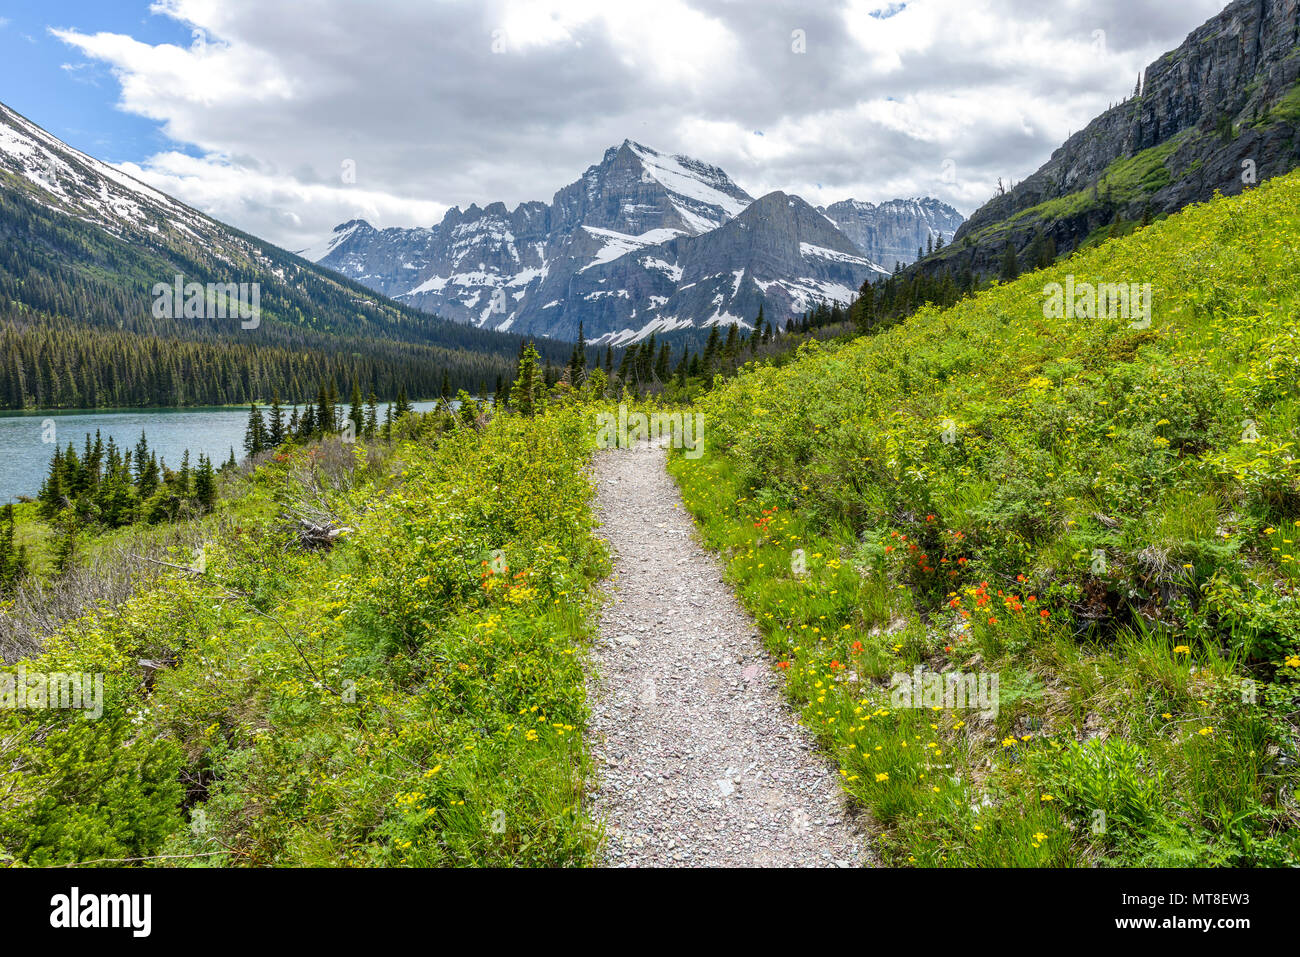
[620,252]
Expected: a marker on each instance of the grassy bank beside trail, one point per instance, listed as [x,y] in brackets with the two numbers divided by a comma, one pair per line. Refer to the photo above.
[1103,517]
[411,695]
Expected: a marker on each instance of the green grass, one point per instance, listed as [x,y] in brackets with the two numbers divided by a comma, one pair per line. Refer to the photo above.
[412,696]
[1287,109]
[1127,179]
[1111,531]
[1132,177]
[34,535]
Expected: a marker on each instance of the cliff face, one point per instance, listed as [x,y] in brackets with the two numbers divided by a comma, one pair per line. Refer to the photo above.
[893,231]
[1219,113]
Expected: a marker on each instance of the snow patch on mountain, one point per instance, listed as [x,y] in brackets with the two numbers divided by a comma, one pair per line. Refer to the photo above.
[620,244]
[342,233]
[76,183]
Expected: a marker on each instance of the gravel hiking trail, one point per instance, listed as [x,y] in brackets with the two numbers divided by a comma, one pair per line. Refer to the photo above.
[699,759]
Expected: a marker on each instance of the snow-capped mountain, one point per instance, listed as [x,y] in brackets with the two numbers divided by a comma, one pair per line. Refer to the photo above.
[82,186]
[779,253]
[643,241]
[893,231]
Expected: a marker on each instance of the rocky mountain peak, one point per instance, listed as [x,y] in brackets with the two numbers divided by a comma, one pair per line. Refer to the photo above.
[892,232]
[642,241]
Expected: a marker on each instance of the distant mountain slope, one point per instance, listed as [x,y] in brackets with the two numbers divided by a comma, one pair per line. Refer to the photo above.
[642,242]
[82,247]
[892,232]
[1215,115]
[780,254]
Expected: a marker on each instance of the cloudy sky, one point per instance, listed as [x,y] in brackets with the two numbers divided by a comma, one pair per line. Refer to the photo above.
[288,118]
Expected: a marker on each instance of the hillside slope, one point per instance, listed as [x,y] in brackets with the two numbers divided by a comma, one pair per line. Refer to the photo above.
[82,247]
[1099,514]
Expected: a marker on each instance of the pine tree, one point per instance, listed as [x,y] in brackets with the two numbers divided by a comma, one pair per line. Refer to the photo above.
[324,419]
[627,365]
[1010,264]
[65,542]
[307,425]
[332,422]
[255,433]
[372,416]
[661,364]
[645,360]
[865,307]
[141,455]
[275,433]
[729,350]
[711,351]
[13,557]
[467,409]
[523,395]
[578,361]
[149,478]
[51,496]
[183,476]
[683,368]
[356,412]
[205,484]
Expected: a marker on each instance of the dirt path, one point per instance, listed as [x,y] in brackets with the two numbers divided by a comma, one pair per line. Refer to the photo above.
[700,758]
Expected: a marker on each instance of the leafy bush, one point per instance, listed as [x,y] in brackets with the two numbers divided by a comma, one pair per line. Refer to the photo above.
[412,695]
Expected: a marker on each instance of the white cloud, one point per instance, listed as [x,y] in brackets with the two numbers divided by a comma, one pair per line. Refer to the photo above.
[461,101]
[237,194]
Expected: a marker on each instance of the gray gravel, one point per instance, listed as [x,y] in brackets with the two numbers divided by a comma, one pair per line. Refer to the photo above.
[700,759]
